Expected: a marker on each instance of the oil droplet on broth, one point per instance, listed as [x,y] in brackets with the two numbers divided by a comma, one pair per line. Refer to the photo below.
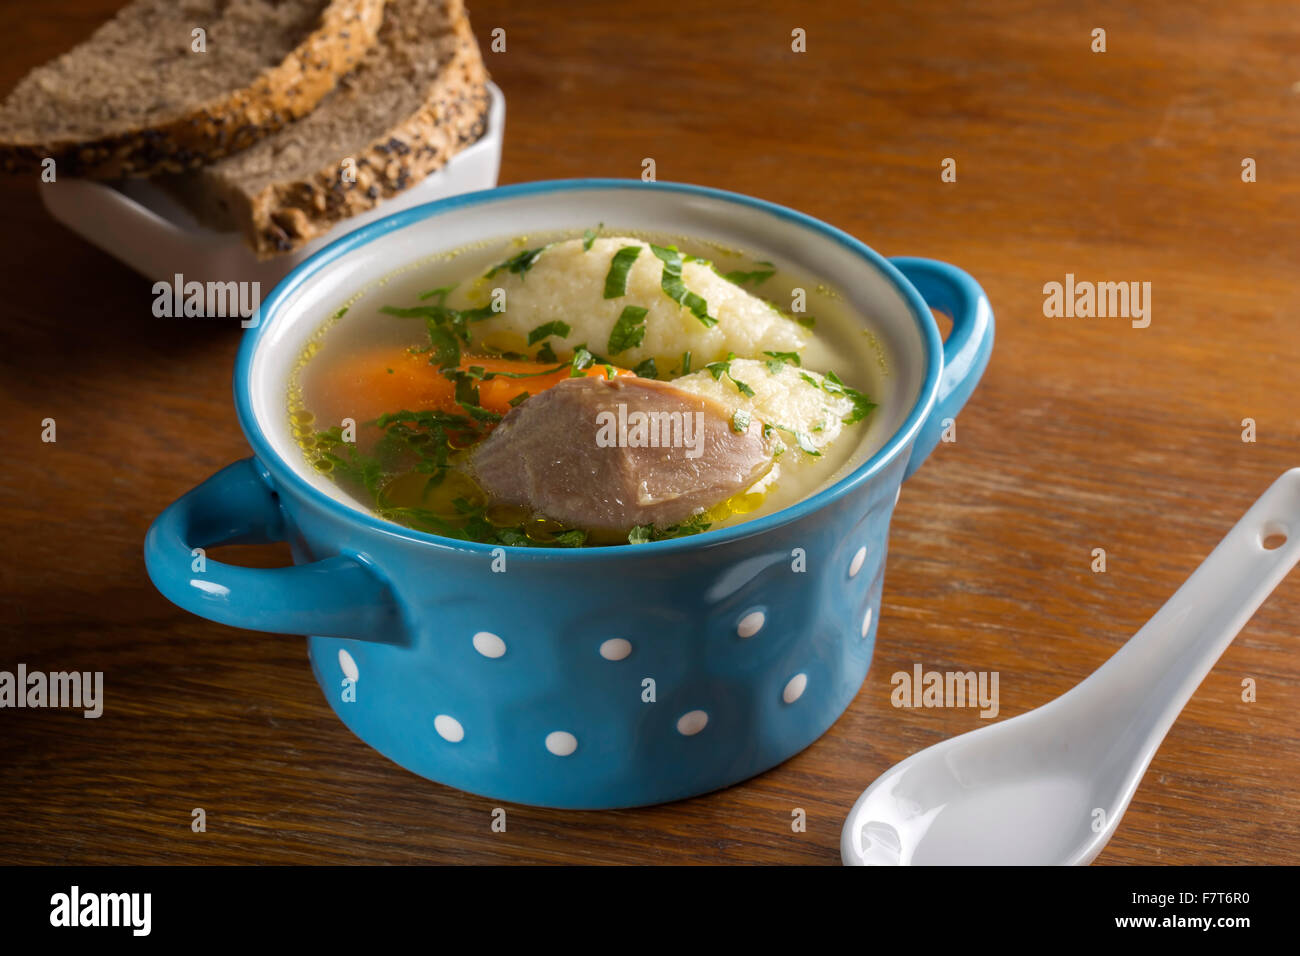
[506,516]
[505,342]
[543,530]
[414,489]
[745,502]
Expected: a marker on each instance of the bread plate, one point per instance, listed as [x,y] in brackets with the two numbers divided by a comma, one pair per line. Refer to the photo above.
[142,226]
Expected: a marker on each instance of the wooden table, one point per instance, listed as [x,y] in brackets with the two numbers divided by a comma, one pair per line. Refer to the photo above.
[1086,433]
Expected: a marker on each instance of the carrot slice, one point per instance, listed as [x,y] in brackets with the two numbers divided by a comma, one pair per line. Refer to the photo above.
[366,384]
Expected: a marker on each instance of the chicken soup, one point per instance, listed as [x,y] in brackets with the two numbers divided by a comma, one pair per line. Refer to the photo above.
[594,390]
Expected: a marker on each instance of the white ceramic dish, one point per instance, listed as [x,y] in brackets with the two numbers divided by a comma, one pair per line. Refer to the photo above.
[137,223]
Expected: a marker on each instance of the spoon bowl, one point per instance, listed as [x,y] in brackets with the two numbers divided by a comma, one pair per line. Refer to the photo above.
[1050,786]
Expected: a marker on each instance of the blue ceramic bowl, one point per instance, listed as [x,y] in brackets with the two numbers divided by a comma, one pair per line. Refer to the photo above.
[521,674]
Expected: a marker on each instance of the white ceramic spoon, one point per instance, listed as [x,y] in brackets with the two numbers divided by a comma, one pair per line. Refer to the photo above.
[1049,786]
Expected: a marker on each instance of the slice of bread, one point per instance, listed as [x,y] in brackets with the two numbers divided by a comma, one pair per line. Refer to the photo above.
[138,97]
[417,97]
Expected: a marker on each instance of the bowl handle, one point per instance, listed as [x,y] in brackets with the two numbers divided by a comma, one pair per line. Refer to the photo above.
[966,352]
[342,596]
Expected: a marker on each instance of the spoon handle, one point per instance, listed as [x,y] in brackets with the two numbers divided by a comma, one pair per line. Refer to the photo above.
[1145,685]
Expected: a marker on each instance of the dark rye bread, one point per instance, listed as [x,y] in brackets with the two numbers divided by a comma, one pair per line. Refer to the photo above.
[417,97]
[136,99]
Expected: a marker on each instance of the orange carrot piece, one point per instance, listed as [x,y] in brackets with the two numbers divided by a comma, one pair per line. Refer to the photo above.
[366,384]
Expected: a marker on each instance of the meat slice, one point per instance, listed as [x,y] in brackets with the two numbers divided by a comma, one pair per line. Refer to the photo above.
[612,454]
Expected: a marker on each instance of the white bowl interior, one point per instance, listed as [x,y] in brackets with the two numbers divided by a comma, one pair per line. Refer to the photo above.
[758,232]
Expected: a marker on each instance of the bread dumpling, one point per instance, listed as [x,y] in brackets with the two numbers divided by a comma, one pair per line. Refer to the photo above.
[568,282]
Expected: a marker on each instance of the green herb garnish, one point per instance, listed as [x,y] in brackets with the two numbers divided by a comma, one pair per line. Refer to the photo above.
[776,361]
[719,369]
[629,331]
[675,288]
[862,405]
[582,360]
[619,266]
[802,440]
[646,369]
[644,533]
[589,236]
[555,327]
[546,353]
[517,264]
[740,421]
[757,277]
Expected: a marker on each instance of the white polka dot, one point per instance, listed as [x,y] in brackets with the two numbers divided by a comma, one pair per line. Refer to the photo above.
[866,622]
[794,688]
[349,666]
[615,649]
[691,723]
[561,743]
[751,623]
[856,564]
[898,493]
[449,728]
[488,644]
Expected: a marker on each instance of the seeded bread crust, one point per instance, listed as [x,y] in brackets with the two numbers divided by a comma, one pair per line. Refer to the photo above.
[345,30]
[283,215]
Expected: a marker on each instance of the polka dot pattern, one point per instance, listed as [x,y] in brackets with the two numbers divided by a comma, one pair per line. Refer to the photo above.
[449,728]
[794,688]
[751,623]
[615,649]
[489,645]
[856,564]
[561,743]
[348,666]
[692,722]
[866,622]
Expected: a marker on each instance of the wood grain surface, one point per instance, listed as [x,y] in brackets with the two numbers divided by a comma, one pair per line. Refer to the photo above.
[1086,433]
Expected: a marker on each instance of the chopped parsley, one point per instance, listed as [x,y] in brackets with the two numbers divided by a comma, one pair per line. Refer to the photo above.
[644,533]
[619,266]
[802,440]
[719,369]
[629,331]
[862,405]
[646,369]
[517,264]
[675,288]
[582,360]
[756,277]
[547,354]
[556,328]
[740,421]
[776,361]
[589,236]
